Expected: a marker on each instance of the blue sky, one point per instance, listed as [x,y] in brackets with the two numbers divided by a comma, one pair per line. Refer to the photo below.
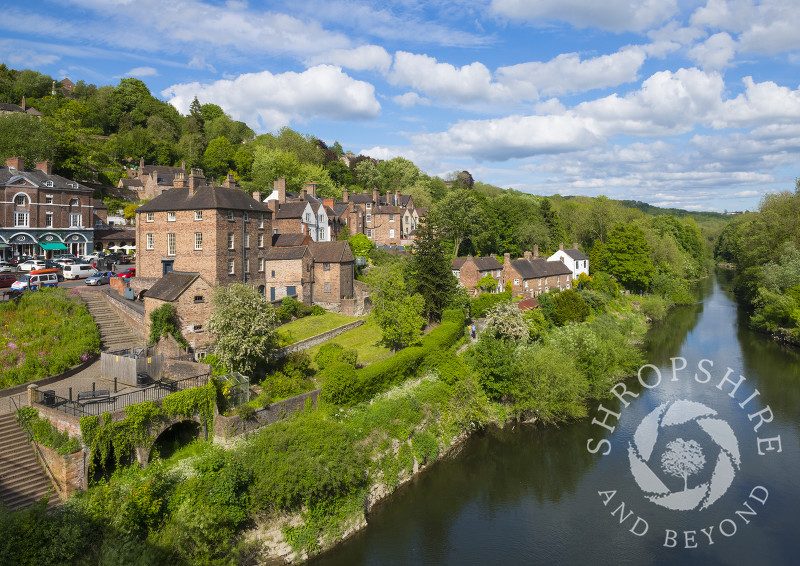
[692,104]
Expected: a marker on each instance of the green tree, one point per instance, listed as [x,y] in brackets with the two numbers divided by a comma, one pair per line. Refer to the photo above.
[458,216]
[218,157]
[396,174]
[360,245]
[398,312]
[242,347]
[626,256]
[505,320]
[26,136]
[430,271]
[366,173]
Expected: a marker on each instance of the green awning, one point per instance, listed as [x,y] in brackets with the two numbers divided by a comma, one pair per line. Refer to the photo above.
[54,246]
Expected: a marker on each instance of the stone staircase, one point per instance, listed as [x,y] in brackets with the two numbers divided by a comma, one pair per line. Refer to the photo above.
[23,480]
[115,333]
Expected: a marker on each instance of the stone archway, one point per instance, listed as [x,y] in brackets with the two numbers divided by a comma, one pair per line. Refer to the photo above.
[161,427]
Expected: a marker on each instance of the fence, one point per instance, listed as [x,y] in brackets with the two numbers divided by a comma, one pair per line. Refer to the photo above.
[98,406]
[126,365]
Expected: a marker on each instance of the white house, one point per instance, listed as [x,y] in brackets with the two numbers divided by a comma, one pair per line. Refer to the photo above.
[573,258]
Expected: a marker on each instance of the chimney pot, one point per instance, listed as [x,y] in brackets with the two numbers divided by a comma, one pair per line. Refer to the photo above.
[257,195]
[575,246]
[561,246]
[506,258]
[304,195]
[527,254]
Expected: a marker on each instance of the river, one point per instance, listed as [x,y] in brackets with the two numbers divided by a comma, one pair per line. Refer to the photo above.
[536,495]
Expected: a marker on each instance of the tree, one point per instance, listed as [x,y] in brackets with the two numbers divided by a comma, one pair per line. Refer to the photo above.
[396,174]
[398,313]
[569,306]
[682,459]
[218,157]
[366,173]
[626,256]
[360,245]
[431,272]
[505,320]
[242,347]
[458,216]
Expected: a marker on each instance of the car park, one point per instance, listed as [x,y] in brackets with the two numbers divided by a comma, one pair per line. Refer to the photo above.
[130,272]
[78,271]
[99,278]
[6,280]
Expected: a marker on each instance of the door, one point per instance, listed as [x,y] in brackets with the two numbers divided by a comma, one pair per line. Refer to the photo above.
[166,267]
[272,293]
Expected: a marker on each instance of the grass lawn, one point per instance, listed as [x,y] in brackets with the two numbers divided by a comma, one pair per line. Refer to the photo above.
[310,326]
[365,339]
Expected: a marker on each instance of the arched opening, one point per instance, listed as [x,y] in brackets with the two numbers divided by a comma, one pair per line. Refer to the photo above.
[174,438]
[104,468]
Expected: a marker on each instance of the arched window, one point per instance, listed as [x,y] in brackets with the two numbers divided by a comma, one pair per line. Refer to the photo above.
[21,201]
[262,290]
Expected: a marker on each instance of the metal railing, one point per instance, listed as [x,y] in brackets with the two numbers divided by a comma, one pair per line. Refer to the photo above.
[97,406]
[32,439]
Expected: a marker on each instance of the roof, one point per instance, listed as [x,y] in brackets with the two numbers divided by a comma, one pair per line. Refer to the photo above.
[172,285]
[204,198]
[164,174]
[10,175]
[289,240]
[8,107]
[360,198]
[527,304]
[291,210]
[421,210]
[331,252]
[278,254]
[486,263]
[389,209]
[131,183]
[575,254]
[98,204]
[538,268]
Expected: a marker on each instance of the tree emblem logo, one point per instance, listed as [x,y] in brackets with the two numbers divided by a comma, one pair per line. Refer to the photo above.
[681,458]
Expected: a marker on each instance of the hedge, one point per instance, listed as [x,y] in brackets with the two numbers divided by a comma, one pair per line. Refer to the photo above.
[382,375]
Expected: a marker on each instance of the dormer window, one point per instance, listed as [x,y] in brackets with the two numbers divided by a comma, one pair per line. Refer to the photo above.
[48,184]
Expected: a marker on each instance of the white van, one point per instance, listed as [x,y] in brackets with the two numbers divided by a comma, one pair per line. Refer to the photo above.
[35,282]
[78,271]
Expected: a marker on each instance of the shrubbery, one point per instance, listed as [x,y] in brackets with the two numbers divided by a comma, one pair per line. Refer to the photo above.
[332,352]
[46,434]
[485,301]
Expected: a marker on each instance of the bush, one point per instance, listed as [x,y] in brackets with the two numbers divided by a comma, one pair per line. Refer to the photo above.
[317,310]
[164,322]
[304,309]
[425,446]
[341,386]
[46,434]
[246,412]
[330,353]
[447,365]
[485,301]
[568,306]
[291,306]
[654,306]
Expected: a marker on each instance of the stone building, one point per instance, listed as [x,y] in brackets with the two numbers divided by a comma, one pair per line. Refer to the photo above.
[532,275]
[470,270]
[149,181]
[191,295]
[42,213]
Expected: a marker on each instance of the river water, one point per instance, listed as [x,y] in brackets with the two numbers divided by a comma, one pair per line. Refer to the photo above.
[536,495]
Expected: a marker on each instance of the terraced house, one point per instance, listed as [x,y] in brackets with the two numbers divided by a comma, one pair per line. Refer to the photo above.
[531,275]
[42,213]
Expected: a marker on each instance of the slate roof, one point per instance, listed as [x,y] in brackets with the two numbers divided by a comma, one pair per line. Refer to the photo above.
[421,210]
[131,183]
[204,198]
[289,240]
[340,208]
[8,107]
[331,252]
[279,254]
[538,268]
[486,263]
[9,175]
[389,209]
[291,210]
[360,198]
[575,254]
[165,174]
[172,285]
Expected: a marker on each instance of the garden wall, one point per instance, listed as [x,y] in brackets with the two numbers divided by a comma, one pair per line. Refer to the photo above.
[71,471]
[226,428]
[134,318]
[318,339]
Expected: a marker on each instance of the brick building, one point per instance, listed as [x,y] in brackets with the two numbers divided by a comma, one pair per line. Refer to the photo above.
[532,275]
[385,219]
[149,181]
[220,232]
[470,270]
[42,213]
[288,272]
[573,258]
[191,295]
[302,213]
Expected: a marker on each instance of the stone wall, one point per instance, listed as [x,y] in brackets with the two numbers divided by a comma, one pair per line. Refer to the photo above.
[318,339]
[226,428]
[71,472]
[134,318]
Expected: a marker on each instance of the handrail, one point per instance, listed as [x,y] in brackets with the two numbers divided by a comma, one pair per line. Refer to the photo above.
[31,438]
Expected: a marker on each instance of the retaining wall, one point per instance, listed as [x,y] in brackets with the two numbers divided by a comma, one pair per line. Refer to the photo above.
[226,428]
[71,471]
[318,339]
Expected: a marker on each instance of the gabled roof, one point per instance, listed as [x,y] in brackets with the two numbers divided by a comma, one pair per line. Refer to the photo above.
[458,263]
[421,210]
[538,268]
[291,210]
[340,208]
[204,198]
[331,252]
[575,254]
[389,209]
[9,175]
[131,183]
[360,198]
[165,174]
[289,240]
[172,285]
[487,263]
[279,254]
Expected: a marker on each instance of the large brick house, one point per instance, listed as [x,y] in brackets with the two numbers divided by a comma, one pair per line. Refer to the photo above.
[388,219]
[220,232]
[573,258]
[470,270]
[149,181]
[42,213]
[302,213]
[532,275]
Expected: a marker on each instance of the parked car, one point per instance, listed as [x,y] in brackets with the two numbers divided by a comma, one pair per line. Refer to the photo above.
[130,272]
[30,265]
[35,281]
[78,271]
[6,280]
[6,267]
[99,278]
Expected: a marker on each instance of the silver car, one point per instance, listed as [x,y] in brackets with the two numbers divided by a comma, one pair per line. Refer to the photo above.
[99,278]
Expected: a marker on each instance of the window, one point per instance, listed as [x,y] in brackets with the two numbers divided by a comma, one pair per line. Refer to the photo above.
[199,299]
[245,217]
[516,281]
[260,220]
[261,265]
[48,199]
[308,217]
[247,241]
[230,216]
[247,266]
[320,234]
[326,266]
[171,216]
[48,220]
[320,219]
[198,327]
[48,183]
[369,206]
[230,240]
[74,202]
[391,232]
[274,230]
[171,244]
[21,219]
[150,216]
[74,219]
[151,244]
[456,273]
[198,214]
[231,268]
[327,287]
[198,240]
[391,218]
[369,232]
[408,219]
[273,273]
[369,218]
[20,200]
[261,240]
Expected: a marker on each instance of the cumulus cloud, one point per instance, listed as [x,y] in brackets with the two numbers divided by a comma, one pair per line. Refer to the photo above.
[364,58]
[760,103]
[715,52]
[15,56]
[274,100]
[410,99]
[141,72]
[613,15]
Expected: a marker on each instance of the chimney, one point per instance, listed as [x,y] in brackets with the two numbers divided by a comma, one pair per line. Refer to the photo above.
[311,188]
[179,181]
[257,195]
[396,199]
[303,194]
[280,186]
[561,246]
[196,179]
[229,183]
[375,195]
[506,258]
[183,165]
[527,255]
[328,202]
[273,205]
[575,246]
[45,166]
[345,195]
[17,163]
[141,166]
[535,250]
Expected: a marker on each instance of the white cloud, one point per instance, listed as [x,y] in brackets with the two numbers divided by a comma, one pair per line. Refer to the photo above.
[274,101]
[199,62]
[715,52]
[410,99]
[15,56]
[614,15]
[760,103]
[141,72]
[364,58]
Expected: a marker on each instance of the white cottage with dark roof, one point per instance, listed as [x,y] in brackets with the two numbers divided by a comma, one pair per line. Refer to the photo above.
[573,258]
